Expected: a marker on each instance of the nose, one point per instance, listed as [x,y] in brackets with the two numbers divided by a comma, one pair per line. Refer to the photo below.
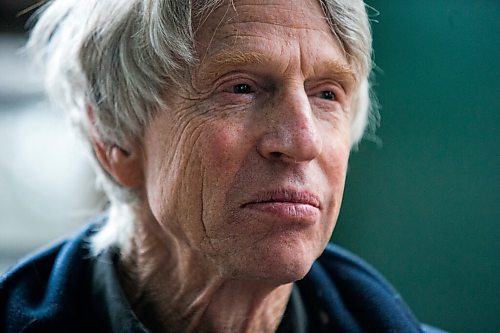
[291,131]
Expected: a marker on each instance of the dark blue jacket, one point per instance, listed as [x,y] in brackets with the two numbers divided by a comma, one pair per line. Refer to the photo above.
[64,289]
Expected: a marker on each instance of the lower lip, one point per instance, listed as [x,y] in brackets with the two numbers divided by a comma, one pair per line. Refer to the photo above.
[296,212]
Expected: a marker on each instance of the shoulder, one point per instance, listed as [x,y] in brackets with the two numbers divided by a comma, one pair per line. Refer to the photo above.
[347,268]
[46,287]
[351,296]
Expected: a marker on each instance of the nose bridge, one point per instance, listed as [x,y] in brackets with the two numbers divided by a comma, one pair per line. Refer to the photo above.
[292,132]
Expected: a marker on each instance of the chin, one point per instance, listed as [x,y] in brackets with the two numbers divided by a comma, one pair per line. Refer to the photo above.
[279,273]
[281,262]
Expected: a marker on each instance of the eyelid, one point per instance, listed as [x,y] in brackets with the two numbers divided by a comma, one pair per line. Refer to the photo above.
[337,89]
[232,79]
[229,87]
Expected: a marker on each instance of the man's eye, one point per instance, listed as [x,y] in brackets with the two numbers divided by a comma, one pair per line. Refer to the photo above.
[328,94]
[242,88]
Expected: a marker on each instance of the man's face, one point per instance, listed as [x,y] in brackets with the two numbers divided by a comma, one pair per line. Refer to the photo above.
[247,164]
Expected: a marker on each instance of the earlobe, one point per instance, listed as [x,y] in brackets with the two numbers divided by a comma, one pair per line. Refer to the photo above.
[125,166]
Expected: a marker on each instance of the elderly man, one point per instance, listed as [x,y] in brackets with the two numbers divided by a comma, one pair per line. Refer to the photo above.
[220,131]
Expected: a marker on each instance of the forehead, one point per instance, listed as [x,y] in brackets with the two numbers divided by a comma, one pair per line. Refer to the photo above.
[260,31]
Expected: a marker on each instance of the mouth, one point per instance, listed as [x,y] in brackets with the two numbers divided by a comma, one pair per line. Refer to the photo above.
[288,204]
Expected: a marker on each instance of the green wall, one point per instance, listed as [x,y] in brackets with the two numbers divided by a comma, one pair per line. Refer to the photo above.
[423,207]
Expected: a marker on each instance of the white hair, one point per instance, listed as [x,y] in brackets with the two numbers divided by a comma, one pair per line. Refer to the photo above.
[115,58]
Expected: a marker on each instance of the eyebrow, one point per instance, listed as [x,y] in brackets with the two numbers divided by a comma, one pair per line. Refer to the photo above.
[235,59]
[339,70]
[228,59]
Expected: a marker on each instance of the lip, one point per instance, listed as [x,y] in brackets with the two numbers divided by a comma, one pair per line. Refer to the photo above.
[287,204]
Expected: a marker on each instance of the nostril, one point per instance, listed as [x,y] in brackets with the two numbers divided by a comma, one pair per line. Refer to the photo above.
[276,154]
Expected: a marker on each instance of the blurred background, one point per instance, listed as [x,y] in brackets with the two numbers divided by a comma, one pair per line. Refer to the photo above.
[421,202]
[46,186]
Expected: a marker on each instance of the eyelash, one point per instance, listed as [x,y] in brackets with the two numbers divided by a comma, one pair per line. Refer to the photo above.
[236,88]
[329,95]
[247,89]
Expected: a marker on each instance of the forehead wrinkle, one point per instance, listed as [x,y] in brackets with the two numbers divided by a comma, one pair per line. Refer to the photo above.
[288,19]
[233,14]
[286,25]
[307,15]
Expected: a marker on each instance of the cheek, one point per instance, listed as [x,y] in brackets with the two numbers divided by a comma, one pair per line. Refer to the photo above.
[336,151]
[334,163]
[174,181]
[189,172]
[224,149]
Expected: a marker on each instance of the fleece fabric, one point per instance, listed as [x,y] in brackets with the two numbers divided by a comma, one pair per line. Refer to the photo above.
[63,288]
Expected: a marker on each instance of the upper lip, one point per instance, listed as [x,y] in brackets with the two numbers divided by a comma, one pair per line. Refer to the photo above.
[285,195]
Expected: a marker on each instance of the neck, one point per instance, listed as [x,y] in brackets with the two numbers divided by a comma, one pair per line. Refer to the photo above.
[177,289]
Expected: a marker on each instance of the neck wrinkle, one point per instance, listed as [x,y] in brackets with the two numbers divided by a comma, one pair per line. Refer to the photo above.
[175,289]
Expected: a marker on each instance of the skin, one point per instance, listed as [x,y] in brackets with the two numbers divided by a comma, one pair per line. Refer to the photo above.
[241,177]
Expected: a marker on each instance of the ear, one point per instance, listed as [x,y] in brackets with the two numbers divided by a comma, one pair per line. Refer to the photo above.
[124,165]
